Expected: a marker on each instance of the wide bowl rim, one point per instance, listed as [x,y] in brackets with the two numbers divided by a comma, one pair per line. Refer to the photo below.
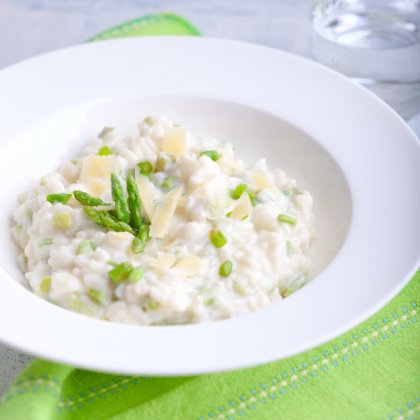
[191,351]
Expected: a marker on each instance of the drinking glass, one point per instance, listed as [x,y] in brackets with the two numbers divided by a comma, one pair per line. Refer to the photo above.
[375,42]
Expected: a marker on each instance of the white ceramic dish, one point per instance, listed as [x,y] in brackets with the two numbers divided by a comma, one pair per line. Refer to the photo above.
[356,156]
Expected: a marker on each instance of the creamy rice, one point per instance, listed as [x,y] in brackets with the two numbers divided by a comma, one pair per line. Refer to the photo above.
[224,239]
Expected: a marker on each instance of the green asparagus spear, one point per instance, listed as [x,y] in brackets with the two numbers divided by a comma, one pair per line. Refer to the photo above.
[140,240]
[104,219]
[87,200]
[134,203]
[120,201]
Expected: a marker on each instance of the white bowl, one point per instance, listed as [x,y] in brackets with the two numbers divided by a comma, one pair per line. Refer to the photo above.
[357,157]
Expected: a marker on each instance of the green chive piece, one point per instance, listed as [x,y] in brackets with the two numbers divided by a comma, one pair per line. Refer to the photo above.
[214,155]
[140,240]
[104,151]
[98,296]
[295,285]
[134,203]
[58,198]
[229,214]
[45,285]
[45,242]
[208,296]
[148,120]
[77,304]
[87,200]
[145,168]
[153,305]
[217,238]
[106,220]
[62,220]
[240,189]
[120,202]
[285,218]
[85,247]
[105,131]
[125,272]
[120,273]
[226,268]
[168,183]
[135,275]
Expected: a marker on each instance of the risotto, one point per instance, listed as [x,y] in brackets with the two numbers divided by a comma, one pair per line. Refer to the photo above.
[164,228]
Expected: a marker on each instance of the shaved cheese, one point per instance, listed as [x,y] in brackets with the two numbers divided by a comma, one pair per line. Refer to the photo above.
[97,186]
[175,141]
[164,260]
[147,193]
[190,265]
[97,167]
[243,207]
[261,181]
[164,213]
[219,203]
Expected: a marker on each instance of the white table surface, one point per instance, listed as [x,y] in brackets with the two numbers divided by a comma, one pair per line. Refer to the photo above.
[31,27]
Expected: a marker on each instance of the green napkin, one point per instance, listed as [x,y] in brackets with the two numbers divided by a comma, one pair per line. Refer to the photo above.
[372,372]
[159,24]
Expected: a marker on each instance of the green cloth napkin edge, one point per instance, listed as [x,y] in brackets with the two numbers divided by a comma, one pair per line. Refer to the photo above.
[147,25]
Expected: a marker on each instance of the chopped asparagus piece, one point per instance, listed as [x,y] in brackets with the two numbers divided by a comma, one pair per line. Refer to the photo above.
[226,268]
[285,218]
[214,155]
[58,198]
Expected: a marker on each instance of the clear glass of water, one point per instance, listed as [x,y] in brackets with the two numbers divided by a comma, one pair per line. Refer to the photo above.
[376,42]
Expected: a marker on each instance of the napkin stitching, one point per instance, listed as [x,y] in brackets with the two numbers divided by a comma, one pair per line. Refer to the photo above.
[95,394]
[34,384]
[68,403]
[237,406]
[405,413]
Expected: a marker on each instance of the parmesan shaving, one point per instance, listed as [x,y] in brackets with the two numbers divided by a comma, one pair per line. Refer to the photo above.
[147,193]
[164,213]
[261,181]
[189,265]
[243,207]
[175,141]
